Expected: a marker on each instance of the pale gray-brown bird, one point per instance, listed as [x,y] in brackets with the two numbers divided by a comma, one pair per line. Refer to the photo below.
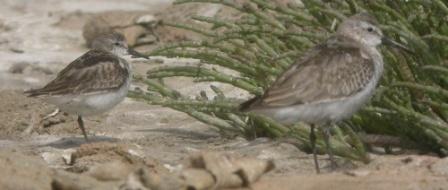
[330,82]
[93,83]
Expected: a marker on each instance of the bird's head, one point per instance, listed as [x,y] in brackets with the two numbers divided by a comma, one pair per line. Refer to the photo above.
[363,28]
[114,43]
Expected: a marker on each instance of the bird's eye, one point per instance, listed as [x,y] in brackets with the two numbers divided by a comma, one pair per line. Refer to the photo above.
[116,43]
[370,29]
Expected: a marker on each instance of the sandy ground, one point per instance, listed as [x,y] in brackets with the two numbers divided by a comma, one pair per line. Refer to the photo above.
[38,38]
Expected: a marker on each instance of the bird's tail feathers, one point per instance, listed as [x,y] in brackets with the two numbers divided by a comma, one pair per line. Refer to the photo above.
[248,105]
[34,92]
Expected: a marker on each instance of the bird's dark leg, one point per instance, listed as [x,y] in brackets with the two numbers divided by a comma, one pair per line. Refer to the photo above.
[326,134]
[81,126]
[313,147]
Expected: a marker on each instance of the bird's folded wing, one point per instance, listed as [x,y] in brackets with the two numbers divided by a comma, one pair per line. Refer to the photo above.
[95,71]
[328,73]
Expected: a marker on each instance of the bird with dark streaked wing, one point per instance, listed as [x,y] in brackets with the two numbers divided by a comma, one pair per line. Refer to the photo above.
[329,83]
[93,83]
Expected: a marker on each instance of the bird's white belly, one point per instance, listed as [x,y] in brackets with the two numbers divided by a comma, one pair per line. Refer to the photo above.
[332,111]
[318,113]
[90,104]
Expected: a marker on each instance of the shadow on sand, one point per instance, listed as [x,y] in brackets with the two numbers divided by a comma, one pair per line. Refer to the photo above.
[71,142]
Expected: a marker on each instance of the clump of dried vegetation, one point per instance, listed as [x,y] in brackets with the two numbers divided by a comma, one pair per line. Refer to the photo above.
[409,109]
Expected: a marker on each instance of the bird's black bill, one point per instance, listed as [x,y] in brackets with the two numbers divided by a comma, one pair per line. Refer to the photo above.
[387,41]
[136,54]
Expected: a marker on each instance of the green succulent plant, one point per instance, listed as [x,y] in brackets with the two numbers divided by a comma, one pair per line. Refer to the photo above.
[409,109]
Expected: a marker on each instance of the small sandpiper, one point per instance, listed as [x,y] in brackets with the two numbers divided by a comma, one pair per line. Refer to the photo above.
[330,82]
[93,83]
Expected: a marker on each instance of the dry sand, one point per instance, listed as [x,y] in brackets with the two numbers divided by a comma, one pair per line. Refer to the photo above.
[38,38]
